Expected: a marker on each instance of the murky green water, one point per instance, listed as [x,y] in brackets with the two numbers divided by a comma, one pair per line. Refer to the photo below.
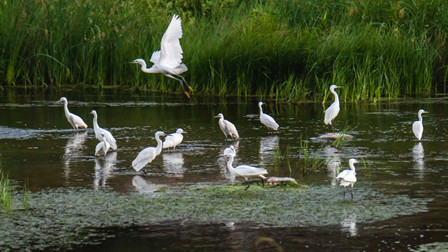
[399,200]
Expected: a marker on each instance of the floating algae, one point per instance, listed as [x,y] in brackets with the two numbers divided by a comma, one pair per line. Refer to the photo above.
[66,218]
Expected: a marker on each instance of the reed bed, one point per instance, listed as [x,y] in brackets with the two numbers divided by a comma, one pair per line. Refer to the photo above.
[287,50]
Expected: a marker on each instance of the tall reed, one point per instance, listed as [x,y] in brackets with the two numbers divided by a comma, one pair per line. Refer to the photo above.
[287,50]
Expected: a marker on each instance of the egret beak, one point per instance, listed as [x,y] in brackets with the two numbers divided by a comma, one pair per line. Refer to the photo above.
[217,116]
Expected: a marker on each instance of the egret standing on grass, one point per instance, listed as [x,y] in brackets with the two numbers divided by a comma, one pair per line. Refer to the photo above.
[227,127]
[266,119]
[333,110]
[244,171]
[73,119]
[148,154]
[102,134]
[417,126]
[168,60]
[172,140]
[348,177]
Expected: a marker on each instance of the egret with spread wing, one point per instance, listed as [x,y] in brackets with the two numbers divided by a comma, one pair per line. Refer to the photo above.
[168,60]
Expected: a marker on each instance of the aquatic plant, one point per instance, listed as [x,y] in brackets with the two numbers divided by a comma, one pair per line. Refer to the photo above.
[342,137]
[311,160]
[288,50]
[5,191]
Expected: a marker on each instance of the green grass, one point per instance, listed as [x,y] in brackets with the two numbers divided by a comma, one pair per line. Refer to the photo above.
[286,50]
[5,192]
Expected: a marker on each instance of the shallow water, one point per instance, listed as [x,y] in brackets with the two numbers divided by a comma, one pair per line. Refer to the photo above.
[38,146]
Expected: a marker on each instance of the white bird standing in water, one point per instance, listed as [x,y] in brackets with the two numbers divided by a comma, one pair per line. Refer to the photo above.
[148,154]
[333,110]
[417,126]
[102,147]
[227,127]
[168,60]
[266,119]
[348,177]
[102,134]
[73,119]
[244,171]
[173,139]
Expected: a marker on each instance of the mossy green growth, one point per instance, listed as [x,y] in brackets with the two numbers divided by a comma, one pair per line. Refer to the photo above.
[65,218]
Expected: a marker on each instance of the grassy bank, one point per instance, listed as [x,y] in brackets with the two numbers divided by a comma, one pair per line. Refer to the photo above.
[290,50]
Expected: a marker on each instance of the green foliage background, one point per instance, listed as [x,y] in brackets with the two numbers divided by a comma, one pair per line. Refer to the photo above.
[289,49]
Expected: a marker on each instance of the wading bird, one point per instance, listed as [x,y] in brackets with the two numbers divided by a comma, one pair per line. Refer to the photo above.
[333,110]
[102,134]
[266,119]
[168,61]
[148,154]
[348,177]
[244,171]
[73,119]
[227,127]
[102,147]
[417,126]
[173,139]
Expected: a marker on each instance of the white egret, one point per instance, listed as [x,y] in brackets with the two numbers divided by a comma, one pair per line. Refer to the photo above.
[168,61]
[102,147]
[244,171]
[173,139]
[266,119]
[73,119]
[348,177]
[148,154]
[227,127]
[102,134]
[417,126]
[333,110]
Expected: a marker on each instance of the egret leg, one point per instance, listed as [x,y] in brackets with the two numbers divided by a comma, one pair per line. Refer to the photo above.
[262,182]
[144,171]
[181,83]
[248,185]
[351,192]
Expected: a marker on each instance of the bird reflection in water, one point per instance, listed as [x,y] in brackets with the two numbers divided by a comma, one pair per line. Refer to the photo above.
[418,154]
[349,225]
[173,164]
[142,186]
[333,163]
[73,150]
[103,169]
[268,145]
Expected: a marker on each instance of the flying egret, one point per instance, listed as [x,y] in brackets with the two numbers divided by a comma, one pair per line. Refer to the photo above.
[244,171]
[102,147]
[417,126]
[333,110]
[348,177]
[73,119]
[102,134]
[173,139]
[227,127]
[168,61]
[148,154]
[266,119]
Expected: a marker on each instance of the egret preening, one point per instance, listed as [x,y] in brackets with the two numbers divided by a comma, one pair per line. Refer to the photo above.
[266,119]
[148,154]
[102,147]
[417,126]
[244,171]
[172,140]
[102,134]
[168,61]
[333,110]
[73,119]
[348,177]
[227,127]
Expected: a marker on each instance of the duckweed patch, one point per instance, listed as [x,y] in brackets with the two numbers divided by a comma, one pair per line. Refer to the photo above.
[65,218]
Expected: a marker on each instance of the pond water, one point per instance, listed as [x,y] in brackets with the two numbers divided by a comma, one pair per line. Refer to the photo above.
[38,147]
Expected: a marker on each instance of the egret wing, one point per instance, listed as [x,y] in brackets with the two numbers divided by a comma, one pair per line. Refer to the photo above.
[155,57]
[110,139]
[268,121]
[170,49]
[417,128]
